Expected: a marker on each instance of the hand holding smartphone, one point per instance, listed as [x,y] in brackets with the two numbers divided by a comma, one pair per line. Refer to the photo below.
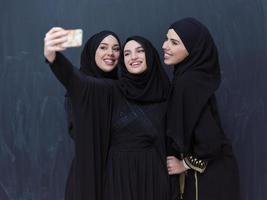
[74,38]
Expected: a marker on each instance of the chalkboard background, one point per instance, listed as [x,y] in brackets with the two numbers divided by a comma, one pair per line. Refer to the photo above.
[35,149]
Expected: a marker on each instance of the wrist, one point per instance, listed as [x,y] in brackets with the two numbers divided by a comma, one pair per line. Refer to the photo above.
[51,57]
[185,165]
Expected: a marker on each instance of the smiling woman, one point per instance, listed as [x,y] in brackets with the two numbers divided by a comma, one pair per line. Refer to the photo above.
[136,167]
[134,57]
[174,49]
[119,125]
[107,53]
[203,155]
[104,44]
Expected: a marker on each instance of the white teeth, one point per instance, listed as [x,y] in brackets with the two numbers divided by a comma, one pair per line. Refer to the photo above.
[109,61]
[136,63]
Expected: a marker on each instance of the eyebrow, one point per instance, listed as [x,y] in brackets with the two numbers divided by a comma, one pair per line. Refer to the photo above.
[140,47]
[172,38]
[103,43]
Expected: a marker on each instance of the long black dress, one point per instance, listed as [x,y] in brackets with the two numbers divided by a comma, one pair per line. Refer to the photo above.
[193,122]
[88,67]
[91,100]
[119,143]
[136,166]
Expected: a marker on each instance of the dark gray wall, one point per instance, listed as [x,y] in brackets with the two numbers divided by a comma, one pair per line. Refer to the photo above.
[35,149]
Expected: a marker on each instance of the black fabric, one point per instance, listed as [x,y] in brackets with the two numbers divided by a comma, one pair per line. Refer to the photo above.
[91,100]
[193,122]
[136,167]
[98,106]
[196,79]
[88,64]
[88,67]
[150,86]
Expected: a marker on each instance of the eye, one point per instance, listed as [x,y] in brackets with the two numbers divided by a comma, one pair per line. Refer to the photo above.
[175,42]
[126,54]
[140,50]
[116,49]
[103,47]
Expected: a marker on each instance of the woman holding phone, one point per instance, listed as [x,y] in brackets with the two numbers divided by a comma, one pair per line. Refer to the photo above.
[119,138]
[89,66]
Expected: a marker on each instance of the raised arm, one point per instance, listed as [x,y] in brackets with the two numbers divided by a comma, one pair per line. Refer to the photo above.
[63,69]
[53,41]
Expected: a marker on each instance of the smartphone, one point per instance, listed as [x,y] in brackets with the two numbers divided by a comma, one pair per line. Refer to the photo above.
[75,37]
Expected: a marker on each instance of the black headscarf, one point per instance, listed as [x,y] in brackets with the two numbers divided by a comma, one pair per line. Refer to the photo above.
[88,64]
[196,79]
[89,67]
[152,85]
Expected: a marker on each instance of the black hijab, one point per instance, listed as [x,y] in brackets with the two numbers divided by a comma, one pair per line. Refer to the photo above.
[88,64]
[196,79]
[152,85]
[89,67]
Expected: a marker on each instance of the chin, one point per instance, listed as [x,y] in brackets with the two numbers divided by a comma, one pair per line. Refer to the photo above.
[108,68]
[166,62]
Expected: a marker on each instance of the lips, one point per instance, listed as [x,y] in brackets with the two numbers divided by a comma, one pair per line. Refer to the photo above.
[109,61]
[167,55]
[135,64]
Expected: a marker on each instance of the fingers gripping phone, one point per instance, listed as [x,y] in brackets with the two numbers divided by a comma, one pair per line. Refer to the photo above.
[75,37]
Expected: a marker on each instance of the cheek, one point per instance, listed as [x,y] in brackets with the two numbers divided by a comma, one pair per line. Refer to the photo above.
[179,56]
[98,57]
[117,55]
[97,60]
[144,65]
[126,62]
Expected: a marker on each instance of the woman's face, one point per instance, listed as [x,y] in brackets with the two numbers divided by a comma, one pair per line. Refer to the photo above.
[174,49]
[134,57]
[107,53]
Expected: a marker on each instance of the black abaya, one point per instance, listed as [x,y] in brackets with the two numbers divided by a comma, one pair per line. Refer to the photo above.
[193,122]
[88,67]
[91,103]
[120,147]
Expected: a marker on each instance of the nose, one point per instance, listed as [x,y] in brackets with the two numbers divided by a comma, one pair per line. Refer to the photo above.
[133,56]
[110,51]
[165,45]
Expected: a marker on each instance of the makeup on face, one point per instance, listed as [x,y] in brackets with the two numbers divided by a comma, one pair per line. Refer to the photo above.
[134,57]
[173,48]
[107,53]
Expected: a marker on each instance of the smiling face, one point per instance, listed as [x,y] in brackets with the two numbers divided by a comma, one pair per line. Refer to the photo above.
[174,49]
[107,53]
[134,57]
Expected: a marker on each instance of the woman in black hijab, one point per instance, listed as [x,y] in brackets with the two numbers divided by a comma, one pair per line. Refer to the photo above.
[89,67]
[91,110]
[201,153]
[136,166]
[119,125]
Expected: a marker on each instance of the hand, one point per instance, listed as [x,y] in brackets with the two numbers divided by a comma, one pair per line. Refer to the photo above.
[52,42]
[175,166]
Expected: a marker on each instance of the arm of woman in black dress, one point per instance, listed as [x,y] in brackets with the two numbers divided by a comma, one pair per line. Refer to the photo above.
[206,145]
[60,66]
[72,79]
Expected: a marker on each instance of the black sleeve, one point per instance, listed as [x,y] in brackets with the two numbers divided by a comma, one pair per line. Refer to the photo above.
[71,77]
[69,115]
[63,69]
[207,141]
